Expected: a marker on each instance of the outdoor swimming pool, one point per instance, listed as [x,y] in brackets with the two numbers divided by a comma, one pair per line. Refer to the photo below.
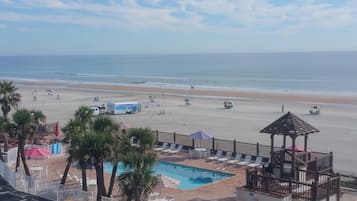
[189,177]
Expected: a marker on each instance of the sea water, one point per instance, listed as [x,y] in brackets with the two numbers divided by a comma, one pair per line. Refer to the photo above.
[318,72]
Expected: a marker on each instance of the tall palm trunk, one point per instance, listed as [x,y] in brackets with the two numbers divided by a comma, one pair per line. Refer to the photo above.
[99,188]
[18,156]
[66,170]
[23,157]
[104,190]
[101,191]
[84,178]
[6,142]
[112,179]
[138,195]
[5,110]
[129,197]
[1,157]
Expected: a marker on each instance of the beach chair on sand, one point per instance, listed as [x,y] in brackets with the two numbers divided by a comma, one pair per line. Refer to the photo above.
[164,146]
[179,148]
[236,159]
[226,157]
[218,155]
[258,162]
[172,147]
[246,160]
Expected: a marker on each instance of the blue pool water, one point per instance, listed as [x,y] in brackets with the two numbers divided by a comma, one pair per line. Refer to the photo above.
[189,177]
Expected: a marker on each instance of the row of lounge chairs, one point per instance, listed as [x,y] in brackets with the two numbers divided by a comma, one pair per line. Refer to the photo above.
[173,149]
[248,160]
[228,157]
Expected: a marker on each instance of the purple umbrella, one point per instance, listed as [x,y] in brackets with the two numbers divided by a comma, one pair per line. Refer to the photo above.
[200,135]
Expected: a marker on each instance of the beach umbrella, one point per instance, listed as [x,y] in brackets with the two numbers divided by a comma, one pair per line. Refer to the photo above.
[200,135]
[57,129]
[37,152]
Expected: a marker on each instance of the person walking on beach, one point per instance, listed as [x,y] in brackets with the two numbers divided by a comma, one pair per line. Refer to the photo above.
[282,108]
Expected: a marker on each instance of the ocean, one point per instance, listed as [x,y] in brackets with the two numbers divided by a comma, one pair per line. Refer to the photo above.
[317,72]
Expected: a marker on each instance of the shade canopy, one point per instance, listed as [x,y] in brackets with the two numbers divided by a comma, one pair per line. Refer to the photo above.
[299,148]
[200,135]
[37,152]
[291,125]
[123,126]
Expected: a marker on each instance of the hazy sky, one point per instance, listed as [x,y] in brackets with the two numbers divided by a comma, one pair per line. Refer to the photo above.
[176,26]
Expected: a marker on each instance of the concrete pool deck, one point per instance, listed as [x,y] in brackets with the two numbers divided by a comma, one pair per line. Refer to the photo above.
[223,190]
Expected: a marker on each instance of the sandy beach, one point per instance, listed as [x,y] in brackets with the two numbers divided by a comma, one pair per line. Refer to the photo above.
[252,111]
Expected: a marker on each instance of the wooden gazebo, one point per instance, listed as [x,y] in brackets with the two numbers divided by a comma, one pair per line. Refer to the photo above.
[289,125]
[311,177]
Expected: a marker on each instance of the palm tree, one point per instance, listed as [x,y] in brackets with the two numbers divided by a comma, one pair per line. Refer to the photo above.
[84,114]
[98,148]
[71,130]
[38,118]
[74,130]
[105,125]
[145,138]
[8,97]
[139,181]
[121,145]
[23,120]
[4,123]
[79,152]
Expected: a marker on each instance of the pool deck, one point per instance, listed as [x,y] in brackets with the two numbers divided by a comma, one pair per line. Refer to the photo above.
[223,190]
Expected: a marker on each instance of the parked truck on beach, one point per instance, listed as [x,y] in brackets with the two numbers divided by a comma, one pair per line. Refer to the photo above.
[123,107]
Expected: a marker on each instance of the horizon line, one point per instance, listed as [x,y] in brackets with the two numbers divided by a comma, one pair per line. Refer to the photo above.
[178,53]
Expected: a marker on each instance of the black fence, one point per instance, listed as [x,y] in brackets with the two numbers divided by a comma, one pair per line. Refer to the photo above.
[348,180]
[215,144]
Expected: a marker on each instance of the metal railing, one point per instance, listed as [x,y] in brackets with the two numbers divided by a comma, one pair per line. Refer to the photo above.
[52,191]
[324,185]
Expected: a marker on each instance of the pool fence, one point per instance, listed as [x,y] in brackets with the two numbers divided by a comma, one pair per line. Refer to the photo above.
[50,190]
[215,144]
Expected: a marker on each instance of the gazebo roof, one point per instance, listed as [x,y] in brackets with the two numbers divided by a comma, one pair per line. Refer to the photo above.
[289,124]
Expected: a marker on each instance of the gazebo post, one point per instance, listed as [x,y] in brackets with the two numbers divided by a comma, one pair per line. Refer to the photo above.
[284,142]
[293,138]
[271,146]
[305,142]
[305,147]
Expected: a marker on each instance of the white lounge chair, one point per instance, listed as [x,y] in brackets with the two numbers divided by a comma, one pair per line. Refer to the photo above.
[258,162]
[191,153]
[172,147]
[218,155]
[246,160]
[226,157]
[236,159]
[179,148]
[164,146]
